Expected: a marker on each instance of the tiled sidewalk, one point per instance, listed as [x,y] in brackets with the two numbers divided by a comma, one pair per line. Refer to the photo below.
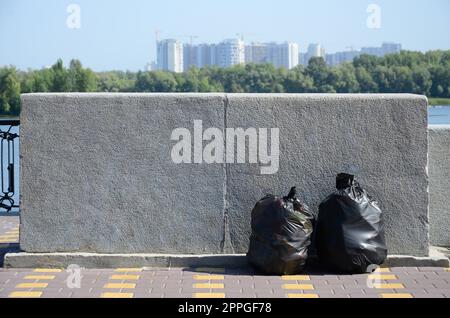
[402,282]
[9,229]
[224,283]
[9,235]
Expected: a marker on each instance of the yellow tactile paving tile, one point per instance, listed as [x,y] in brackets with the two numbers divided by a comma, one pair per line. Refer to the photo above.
[209,295]
[124,277]
[8,241]
[120,285]
[382,276]
[298,286]
[210,269]
[47,270]
[128,270]
[389,286]
[40,277]
[396,295]
[32,285]
[117,295]
[25,294]
[302,296]
[209,277]
[382,270]
[295,277]
[209,285]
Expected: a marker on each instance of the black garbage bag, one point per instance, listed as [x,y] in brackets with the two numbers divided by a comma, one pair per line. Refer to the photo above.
[349,234]
[281,231]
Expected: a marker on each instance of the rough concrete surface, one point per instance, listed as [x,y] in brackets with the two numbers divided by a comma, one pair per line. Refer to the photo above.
[97,176]
[382,139]
[439,184]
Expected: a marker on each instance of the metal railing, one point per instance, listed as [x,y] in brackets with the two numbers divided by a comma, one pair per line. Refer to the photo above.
[8,152]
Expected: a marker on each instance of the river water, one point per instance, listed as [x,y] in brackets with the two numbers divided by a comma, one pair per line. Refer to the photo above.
[437,115]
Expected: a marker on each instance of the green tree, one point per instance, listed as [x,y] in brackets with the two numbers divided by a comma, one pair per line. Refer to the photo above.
[365,80]
[9,92]
[60,81]
[344,79]
[297,81]
[80,79]
[321,75]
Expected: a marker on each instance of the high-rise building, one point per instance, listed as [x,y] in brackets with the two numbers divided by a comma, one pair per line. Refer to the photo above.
[348,56]
[341,57]
[190,53]
[230,52]
[280,55]
[151,66]
[302,59]
[170,55]
[176,57]
[257,53]
[386,48]
[314,50]
[206,55]
[284,55]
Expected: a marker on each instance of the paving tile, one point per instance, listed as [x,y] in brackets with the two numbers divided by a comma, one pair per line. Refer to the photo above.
[353,288]
[396,295]
[433,295]
[25,294]
[55,294]
[431,269]
[404,269]
[40,277]
[117,295]
[446,294]
[362,295]
[292,295]
[334,295]
[296,278]
[209,295]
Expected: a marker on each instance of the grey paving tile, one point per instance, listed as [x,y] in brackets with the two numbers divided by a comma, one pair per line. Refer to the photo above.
[431,269]
[404,269]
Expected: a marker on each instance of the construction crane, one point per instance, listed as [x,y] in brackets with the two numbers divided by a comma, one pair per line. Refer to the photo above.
[190,37]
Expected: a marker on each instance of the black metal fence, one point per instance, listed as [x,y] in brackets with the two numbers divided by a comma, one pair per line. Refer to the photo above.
[9,165]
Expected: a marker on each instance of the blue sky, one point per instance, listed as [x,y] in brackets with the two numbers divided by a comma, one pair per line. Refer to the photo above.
[120,34]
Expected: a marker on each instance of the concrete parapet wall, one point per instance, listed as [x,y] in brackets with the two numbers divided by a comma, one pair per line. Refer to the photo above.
[439,184]
[97,174]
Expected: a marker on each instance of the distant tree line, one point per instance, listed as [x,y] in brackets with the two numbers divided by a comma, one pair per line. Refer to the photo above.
[405,72]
